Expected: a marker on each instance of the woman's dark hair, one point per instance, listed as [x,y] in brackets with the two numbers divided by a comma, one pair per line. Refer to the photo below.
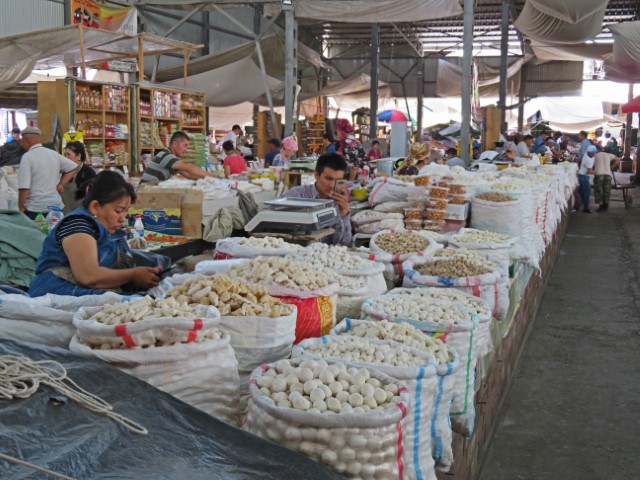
[228,146]
[375,142]
[106,187]
[78,149]
[328,136]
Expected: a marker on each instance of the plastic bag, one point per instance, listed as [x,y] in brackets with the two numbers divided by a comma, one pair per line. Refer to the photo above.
[384,190]
[229,248]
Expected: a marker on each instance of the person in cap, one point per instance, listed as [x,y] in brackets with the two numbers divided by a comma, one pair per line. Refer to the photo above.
[554,149]
[42,177]
[274,149]
[417,158]
[586,169]
[14,136]
[289,149]
[167,162]
[509,153]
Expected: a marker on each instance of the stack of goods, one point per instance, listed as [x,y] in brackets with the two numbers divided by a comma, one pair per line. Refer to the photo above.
[178,348]
[90,128]
[116,152]
[317,408]
[95,151]
[116,130]
[145,133]
[117,98]
[414,215]
[437,207]
[166,105]
[87,98]
[164,133]
[198,150]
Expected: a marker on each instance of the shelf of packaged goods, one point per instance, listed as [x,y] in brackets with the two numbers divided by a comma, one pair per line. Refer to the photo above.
[193,126]
[89,110]
[167,119]
[146,116]
[120,139]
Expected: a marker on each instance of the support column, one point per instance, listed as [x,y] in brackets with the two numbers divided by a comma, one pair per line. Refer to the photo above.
[504,50]
[420,94]
[290,69]
[257,19]
[375,61]
[466,93]
[627,129]
[205,33]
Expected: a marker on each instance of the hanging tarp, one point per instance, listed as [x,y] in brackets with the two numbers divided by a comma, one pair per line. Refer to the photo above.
[571,53]
[353,92]
[620,73]
[561,21]
[23,96]
[449,79]
[568,114]
[626,43]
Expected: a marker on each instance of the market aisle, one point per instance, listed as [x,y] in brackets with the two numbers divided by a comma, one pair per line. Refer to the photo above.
[574,408]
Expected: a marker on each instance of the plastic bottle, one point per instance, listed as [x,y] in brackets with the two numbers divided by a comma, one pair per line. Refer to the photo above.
[42,223]
[54,213]
[138,226]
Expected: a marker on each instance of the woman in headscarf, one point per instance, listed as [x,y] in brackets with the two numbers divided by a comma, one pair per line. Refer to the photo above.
[418,157]
[289,149]
[351,150]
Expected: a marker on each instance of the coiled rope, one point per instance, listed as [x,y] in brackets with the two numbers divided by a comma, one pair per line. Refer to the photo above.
[20,377]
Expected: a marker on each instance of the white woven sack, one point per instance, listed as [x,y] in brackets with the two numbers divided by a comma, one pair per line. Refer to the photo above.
[441,433]
[370,216]
[203,374]
[392,207]
[385,189]
[47,319]
[375,439]
[145,332]
[389,224]
[491,287]
[232,247]
[430,249]
[422,384]
[496,252]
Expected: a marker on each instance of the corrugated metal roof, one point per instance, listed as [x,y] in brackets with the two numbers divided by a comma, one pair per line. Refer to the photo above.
[22,16]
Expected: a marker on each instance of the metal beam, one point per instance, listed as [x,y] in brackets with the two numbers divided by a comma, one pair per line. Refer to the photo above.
[205,33]
[173,28]
[420,93]
[409,42]
[504,50]
[290,69]
[375,59]
[465,93]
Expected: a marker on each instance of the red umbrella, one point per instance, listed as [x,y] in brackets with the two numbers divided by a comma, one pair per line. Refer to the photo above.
[631,107]
[392,116]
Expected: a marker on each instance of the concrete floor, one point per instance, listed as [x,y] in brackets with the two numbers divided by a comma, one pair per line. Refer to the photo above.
[573,410]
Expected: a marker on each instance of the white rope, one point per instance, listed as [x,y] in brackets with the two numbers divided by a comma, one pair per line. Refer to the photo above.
[20,377]
[9,458]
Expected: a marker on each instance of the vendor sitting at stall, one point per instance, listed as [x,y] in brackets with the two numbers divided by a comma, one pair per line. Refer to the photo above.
[418,157]
[329,168]
[167,162]
[288,150]
[234,164]
[87,253]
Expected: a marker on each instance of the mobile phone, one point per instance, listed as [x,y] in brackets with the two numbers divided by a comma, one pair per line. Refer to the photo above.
[340,186]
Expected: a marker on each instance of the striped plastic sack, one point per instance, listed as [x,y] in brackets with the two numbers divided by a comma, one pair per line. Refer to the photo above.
[422,383]
[374,441]
[441,433]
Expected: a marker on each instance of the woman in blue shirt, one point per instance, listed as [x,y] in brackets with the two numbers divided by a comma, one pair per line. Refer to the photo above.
[87,252]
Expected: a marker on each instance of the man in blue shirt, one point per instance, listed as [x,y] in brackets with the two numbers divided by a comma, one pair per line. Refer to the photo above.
[15,135]
[274,145]
[584,144]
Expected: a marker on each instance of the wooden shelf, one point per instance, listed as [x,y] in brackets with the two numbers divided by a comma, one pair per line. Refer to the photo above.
[199,127]
[197,109]
[117,111]
[146,116]
[167,119]
[88,110]
[120,139]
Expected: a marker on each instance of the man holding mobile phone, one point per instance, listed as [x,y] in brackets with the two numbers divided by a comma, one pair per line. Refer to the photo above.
[330,183]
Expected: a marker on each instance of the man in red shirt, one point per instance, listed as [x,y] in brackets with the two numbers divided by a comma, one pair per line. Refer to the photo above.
[233,164]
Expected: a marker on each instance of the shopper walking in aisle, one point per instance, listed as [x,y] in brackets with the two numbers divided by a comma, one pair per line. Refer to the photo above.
[167,162]
[76,152]
[586,169]
[274,149]
[234,164]
[289,149]
[329,169]
[603,163]
[584,143]
[42,177]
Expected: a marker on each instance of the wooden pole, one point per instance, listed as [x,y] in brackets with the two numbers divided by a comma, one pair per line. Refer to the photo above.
[140,58]
[82,56]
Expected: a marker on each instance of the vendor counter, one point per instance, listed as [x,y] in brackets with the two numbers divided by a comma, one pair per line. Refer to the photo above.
[495,371]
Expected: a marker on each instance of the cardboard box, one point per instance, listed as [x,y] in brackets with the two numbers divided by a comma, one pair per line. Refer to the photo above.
[171,211]
[457,212]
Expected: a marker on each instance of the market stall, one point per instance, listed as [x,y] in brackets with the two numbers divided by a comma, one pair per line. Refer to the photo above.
[391,355]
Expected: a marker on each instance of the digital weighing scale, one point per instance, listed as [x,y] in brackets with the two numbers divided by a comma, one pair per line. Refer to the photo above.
[294,215]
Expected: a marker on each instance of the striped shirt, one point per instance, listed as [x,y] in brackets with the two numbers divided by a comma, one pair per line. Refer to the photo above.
[160,168]
[76,224]
[343,234]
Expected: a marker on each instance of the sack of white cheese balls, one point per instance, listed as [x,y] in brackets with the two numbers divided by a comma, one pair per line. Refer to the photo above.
[300,405]
[414,368]
[447,362]
[240,247]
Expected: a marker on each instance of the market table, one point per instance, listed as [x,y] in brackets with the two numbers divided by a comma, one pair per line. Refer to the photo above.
[53,432]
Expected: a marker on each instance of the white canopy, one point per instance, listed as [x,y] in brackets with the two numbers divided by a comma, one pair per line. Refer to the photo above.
[571,53]
[561,21]
[449,80]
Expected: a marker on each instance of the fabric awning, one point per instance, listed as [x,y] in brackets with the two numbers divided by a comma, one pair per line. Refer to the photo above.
[631,107]
[571,53]
[449,80]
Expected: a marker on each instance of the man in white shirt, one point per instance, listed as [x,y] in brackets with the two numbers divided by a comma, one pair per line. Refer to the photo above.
[42,176]
[523,152]
[586,169]
[602,164]
[232,136]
